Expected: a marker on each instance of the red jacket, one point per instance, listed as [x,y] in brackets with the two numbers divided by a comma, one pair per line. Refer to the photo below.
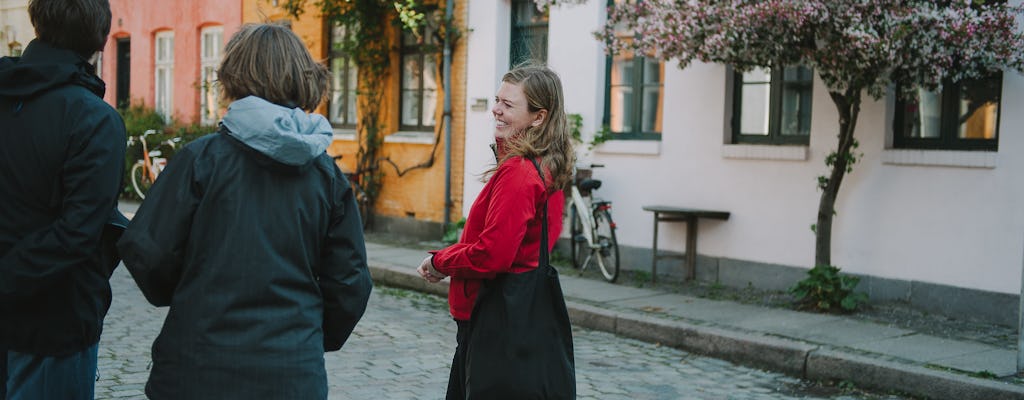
[502,233]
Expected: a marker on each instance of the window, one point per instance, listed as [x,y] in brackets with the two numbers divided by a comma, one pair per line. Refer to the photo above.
[419,76]
[211,39]
[342,105]
[961,116]
[772,105]
[529,33]
[633,94]
[164,71]
[99,64]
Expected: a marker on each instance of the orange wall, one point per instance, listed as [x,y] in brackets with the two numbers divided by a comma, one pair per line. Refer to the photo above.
[308,26]
[139,20]
[418,193]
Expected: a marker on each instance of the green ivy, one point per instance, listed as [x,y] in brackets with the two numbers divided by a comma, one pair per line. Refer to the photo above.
[826,290]
[601,136]
[575,122]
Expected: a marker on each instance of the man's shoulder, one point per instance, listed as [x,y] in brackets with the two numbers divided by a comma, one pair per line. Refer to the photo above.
[80,99]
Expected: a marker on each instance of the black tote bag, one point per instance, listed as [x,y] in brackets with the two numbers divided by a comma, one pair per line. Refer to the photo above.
[520,339]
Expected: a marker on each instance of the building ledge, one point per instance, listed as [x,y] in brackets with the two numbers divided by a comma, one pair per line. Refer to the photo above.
[940,158]
[764,152]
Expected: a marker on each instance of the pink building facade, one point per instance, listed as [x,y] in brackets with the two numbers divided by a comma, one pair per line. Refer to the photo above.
[165,54]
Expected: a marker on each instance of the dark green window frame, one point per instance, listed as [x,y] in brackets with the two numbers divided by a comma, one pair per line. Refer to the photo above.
[958,103]
[529,34]
[639,85]
[422,50]
[341,105]
[789,94]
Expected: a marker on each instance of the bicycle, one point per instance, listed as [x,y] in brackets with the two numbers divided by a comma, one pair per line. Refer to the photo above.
[145,171]
[593,235]
[362,199]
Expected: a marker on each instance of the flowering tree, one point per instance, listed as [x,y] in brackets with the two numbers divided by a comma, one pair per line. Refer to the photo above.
[855,46]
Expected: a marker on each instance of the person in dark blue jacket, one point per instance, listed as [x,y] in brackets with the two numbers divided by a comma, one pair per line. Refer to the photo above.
[252,236]
[61,163]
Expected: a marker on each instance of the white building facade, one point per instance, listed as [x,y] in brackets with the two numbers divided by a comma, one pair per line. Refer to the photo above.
[15,27]
[939,226]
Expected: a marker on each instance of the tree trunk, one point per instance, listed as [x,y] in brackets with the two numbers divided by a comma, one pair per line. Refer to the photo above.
[848,105]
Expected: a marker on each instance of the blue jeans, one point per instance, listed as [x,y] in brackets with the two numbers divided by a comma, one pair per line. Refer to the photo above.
[32,377]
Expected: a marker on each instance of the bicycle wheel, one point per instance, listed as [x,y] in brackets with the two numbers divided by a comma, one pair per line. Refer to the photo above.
[140,180]
[578,243]
[608,250]
[364,208]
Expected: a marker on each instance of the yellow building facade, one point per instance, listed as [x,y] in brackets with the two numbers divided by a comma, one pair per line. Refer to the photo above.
[412,160]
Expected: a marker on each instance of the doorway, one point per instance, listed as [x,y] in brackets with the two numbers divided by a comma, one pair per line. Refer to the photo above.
[122,93]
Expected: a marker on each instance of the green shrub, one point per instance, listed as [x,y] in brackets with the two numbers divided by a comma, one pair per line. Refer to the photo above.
[451,235]
[138,118]
[826,290]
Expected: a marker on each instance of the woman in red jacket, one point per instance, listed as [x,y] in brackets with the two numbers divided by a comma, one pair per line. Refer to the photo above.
[502,231]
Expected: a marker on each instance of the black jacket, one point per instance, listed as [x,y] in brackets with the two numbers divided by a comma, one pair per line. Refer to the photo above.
[61,161]
[262,262]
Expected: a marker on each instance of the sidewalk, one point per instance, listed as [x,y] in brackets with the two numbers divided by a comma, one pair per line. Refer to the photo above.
[806,345]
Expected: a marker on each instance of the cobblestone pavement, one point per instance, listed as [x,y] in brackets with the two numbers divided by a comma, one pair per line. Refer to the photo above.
[403,346]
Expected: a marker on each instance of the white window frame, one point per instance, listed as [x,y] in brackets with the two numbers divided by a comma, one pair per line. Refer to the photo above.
[210,53]
[163,65]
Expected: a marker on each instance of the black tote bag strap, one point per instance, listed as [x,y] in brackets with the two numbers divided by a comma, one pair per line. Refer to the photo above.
[544,223]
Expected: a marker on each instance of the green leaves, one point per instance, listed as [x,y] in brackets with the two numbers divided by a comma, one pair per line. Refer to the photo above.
[826,290]
[451,233]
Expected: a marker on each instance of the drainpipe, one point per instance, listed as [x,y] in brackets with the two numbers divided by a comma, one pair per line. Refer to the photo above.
[446,72]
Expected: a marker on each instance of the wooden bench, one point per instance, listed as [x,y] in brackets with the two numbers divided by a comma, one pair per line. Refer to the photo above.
[680,214]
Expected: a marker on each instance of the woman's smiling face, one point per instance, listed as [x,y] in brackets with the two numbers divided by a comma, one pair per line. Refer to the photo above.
[512,112]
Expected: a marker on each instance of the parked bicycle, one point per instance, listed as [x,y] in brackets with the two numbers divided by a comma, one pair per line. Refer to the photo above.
[146,169]
[592,229]
[362,199]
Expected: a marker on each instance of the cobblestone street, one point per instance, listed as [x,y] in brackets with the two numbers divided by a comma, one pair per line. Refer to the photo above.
[402,350]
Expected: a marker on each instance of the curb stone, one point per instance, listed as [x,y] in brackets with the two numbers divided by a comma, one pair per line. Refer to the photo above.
[797,358]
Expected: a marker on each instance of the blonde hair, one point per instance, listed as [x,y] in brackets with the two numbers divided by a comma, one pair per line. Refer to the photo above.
[270,62]
[550,141]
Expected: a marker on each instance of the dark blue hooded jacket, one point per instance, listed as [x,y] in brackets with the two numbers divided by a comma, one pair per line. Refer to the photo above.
[252,236]
[61,162]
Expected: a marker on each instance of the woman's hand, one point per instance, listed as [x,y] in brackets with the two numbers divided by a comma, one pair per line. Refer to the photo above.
[428,272]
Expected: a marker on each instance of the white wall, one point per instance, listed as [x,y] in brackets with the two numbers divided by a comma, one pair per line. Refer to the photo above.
[14,24]
[955,224]
[488,37]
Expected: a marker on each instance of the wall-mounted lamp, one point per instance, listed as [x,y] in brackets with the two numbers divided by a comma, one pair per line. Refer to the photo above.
[15,48]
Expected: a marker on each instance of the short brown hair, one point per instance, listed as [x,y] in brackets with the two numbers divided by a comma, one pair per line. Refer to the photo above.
[270,62]
[77,25]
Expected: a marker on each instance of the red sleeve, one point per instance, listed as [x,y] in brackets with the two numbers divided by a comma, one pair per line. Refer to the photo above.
[511,203]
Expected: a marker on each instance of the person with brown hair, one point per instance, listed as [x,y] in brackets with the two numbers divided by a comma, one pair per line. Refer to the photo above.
[503,231]
[252,236]
[61,161]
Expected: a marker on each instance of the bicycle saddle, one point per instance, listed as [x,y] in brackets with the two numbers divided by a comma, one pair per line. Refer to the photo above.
[589,184]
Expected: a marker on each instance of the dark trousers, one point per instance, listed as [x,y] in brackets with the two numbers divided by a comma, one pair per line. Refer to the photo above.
[457,378]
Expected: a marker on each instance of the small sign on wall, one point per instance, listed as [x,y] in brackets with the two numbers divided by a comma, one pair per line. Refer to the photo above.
[479,104]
